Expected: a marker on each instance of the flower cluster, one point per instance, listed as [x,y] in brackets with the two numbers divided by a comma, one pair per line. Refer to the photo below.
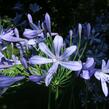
[46,58]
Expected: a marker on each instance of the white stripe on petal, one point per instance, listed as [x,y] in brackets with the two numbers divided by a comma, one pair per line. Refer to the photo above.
[43,47]
[39,60]
[68,52]
[72,65]
[50,74]
[58,44]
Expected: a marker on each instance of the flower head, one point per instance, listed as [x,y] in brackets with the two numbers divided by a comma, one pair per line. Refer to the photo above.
[57,58]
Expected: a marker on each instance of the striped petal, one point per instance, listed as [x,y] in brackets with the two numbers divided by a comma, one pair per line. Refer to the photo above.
[39,60]
[43,47]
[47,21]
[104,87]
[29,33]
[50,74]
[68,52]
[58,44]
[6,81]
[72,65]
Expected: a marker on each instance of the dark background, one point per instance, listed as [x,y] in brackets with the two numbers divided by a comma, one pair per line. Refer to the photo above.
[64,15]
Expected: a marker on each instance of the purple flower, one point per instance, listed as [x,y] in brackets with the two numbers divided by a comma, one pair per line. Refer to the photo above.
[47,23]
[6,63]
[56,59]
[38,32]
[6,81]
[36,78]
[88,69]
[102,75]
[11,36]
[35,32]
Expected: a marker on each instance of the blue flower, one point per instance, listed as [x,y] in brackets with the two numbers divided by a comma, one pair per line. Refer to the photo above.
[47,23]
[88,69]
[56,59]
[103,75]
[6,81]
[6,63]
[37,78]
[35,32]
[11,36]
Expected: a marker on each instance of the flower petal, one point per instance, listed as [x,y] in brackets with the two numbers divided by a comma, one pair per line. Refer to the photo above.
[43,47]
[47,22]
[79,29]
[29,33]
[72,65]
[33,26]
[16,32]
[97,75]
[107,65]
[89,63]
[88,29]
[68,52]
[50,74]
[10,38]
[1,56]
[6,81]
[31,42]
[39,60]
[85,74]
[3,66]
[30,18]
[58,44]
[36,78]
[104,87]
[103,64]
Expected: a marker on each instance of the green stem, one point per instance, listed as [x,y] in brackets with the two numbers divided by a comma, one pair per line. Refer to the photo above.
[72,98]
[83,51]
[71,40]
[79,44]
[49,99]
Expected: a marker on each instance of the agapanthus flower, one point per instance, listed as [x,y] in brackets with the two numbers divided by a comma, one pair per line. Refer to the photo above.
[103,75]
[57,58]
[36,30]
[88,68]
